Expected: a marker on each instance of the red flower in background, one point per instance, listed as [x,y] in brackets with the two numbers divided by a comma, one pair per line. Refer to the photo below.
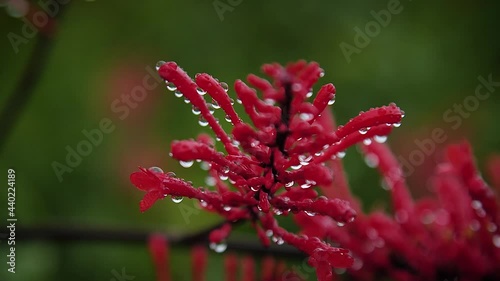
[274,165]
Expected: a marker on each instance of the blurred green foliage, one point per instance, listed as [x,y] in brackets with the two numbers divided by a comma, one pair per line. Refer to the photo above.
[426,60]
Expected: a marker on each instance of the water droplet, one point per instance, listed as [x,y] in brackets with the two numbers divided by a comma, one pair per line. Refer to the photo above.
[340,223]
[278,212]
[296,87]
[496,240]
[195,110]
[269,233]
[289,184]
[380,139]
[367,141]
[186,164]
[227,208]
[223,177]
[227,118]
[225,169]
[396,125]
[475,225]
[171,175]
[363,131]
[171,86]
[159,64]
[322,73]
[305,185]
[202,121]
[309,94]
[385,185]
[200,91]
[203,204]
[340,271]
[296,167]
[278,240]
[156,170]
[254,188]
[371,160]
[177,199]
[205,166]
[186,101]
[231,101]
[475,204]
[269,101]
[215,104]
[218,247]
[239,101]
[177,94]
[311,214]
[224,86]
[341,154]
[210,181]
[492,227]
[331,101]
[306,116]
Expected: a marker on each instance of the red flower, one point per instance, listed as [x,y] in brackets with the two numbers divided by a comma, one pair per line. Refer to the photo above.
[274,165]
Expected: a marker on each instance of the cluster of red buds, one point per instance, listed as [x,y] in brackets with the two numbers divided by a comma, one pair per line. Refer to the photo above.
[273,166]
[452,236]
[234,267]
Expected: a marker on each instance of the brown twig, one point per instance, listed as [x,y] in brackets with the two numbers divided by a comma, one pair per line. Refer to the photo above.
[60,234]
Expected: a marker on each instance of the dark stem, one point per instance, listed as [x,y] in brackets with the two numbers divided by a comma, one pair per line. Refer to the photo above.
[27,83]
[65,234]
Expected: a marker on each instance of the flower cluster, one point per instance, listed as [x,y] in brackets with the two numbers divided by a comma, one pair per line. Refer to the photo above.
[273,166]
[454,236]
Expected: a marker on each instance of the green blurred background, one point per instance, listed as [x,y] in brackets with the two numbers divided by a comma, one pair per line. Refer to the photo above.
[426,59]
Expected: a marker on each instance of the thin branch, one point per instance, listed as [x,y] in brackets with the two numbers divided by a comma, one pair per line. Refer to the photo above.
[60,234]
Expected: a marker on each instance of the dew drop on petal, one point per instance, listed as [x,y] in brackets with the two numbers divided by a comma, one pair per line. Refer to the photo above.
[306,116]
[496,240]
[371,160]
[224,86]
[210,181]
[227,208]
[203,204]
[215,104]
[186,101]
[225,169]
[269,233]
[200,91]
[380,139]
[254,188]
[171,175]
[195,110]
[202,121]
[159,64]
[367,141]
[205,166]
[186,164]
[340,154]
[218,247]
[340,223]
[331,101]
[305,185]
[231,101]
[311,214]
[363,131]
[309,94]
[322,73]
[239,101]
[223,177]
[396,125]
[177,199]
[177,94]
[296,167]
[289,184]
[492,227]
[156,170]
[171,86]
[227,118]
